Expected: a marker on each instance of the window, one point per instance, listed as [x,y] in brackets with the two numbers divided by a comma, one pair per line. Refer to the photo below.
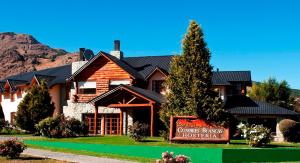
[12,97]
[112,123]
[12,117]
[87,87]
[236,88]
[19,93]
[115,83]
[157,85]
[89,119]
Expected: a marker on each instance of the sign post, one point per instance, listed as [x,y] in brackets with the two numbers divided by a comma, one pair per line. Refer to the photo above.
[190,128]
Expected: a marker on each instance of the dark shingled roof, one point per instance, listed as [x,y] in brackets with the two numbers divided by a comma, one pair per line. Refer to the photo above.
[243,105]
[146,93]
[2,84]
[137,67]
[224,77]
[145,65]
[13,83]
[58,75]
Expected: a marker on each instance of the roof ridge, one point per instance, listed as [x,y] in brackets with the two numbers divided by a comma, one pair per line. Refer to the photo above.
[34,72]
[150,56]
[233,71]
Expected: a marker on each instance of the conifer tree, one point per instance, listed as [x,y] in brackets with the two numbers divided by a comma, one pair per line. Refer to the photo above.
[35,106]
[190,82]
[1,113]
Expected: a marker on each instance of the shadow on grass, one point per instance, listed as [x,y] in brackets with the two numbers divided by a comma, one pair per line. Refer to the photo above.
[149,141]
[31,158]
[26,158]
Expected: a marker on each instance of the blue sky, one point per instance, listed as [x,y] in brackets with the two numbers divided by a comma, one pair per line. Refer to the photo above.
[261,36]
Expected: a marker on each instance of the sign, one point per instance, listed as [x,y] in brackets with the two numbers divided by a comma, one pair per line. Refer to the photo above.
[190,128]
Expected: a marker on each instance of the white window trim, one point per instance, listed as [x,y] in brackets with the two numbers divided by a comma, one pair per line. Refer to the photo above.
[118,82]
[86,84]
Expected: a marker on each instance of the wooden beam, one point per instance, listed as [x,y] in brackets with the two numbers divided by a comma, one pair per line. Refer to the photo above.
[131,100]
[95,120]
[152,121]
[128,105]
[137,94]
[123,98]
[121,122]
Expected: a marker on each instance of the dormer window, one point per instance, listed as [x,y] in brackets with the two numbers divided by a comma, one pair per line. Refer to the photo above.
[157,85]
[115,83]
[87,87]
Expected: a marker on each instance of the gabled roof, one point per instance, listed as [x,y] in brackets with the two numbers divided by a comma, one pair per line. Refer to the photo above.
[225,77]
[117,61]
[243,105]
[137,67]
[59,75]
[145,65]
[158,98]
[47,78]
[155,70]
[2,84]
[13,83]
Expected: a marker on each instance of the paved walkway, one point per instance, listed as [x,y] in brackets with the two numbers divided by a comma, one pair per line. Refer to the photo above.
[70,157]
[66,156]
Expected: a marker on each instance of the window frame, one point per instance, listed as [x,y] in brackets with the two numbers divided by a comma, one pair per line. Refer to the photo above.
[157,85]
[85,88]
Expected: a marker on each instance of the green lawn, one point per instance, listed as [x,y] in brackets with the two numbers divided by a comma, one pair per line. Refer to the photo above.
[122,147]
[155,141]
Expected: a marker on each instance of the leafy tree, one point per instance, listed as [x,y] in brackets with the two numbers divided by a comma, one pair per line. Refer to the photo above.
[190,82]
[34,107]
[272,91]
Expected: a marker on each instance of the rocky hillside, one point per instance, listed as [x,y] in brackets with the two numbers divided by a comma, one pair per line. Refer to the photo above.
[23,53]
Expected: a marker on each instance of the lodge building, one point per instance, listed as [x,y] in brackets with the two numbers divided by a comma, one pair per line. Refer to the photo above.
[110,91]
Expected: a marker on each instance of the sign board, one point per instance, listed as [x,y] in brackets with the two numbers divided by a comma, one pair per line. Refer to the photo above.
[190,128]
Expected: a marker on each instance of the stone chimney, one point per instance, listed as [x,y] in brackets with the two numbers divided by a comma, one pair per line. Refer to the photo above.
[81,56]
[78,64]
[117,50]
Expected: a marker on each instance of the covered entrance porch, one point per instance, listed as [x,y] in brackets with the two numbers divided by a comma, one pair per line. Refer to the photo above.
[126,105]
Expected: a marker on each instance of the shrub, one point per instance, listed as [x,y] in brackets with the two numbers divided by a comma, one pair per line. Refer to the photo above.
[290,130]
[169,158]
[49,127]
[11,148]
[164,134]
[61,127]
[76,127]
[7,128]
[138,131]
[256,135]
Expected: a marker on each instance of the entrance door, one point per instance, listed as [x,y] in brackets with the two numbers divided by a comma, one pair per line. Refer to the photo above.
[112,124]
[89,119]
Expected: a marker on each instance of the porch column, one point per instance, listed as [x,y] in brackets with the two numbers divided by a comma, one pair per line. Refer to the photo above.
[152,121]
[121,122]
[95,119]
[103,125]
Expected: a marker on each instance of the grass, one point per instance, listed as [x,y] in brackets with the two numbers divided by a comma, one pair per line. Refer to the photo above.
[29,159]
[122,147]
[156,141]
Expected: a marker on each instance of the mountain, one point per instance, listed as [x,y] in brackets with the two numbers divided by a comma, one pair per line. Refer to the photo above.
[296,92]
[23,53]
